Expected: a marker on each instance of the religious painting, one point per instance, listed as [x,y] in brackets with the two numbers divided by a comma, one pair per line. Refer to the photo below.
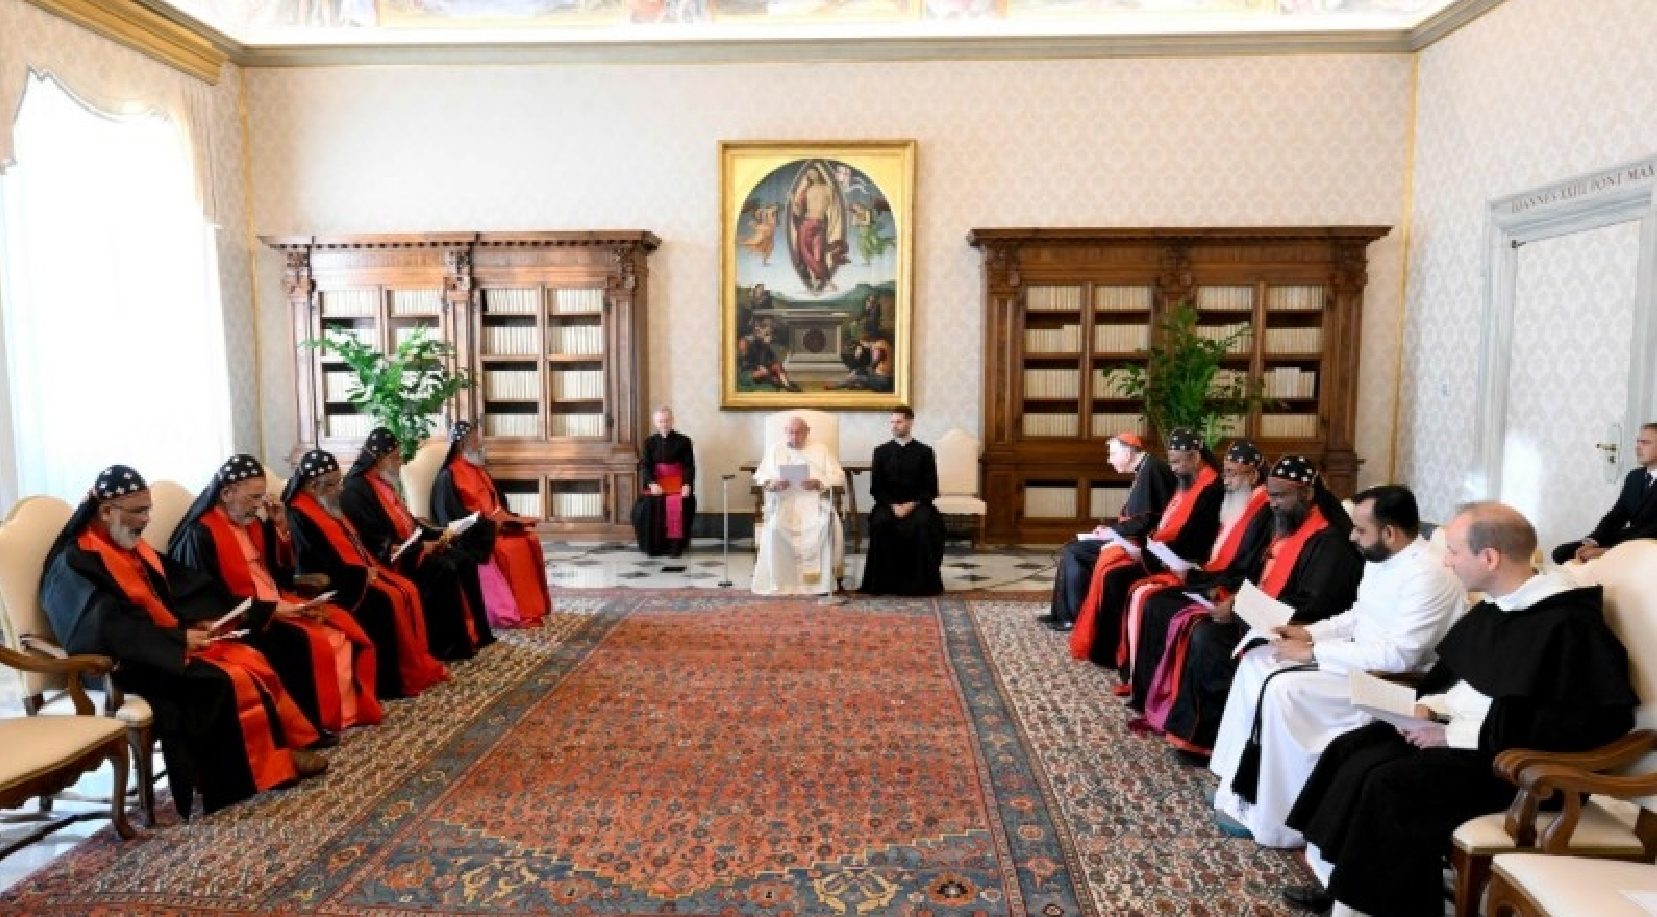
[837,11]
[452,14]
[817,248]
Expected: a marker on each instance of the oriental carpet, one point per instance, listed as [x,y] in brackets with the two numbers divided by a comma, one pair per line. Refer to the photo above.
[706,753]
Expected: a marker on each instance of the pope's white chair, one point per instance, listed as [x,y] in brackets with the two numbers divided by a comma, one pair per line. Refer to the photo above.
[957,453]
[25,538]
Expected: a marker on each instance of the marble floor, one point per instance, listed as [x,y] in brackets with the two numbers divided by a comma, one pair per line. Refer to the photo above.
[585,566]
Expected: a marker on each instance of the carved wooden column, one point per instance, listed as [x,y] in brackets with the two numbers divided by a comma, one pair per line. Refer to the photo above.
[300,288]
[459,312]
[1342,342]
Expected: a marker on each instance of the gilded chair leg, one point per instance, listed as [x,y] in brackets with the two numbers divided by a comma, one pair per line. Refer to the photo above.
[118,794]
[1472,872]
[143,751]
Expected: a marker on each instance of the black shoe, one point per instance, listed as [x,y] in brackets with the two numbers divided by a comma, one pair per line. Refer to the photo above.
[326,740]
[1046,619]
[1309,898]
[1063,627]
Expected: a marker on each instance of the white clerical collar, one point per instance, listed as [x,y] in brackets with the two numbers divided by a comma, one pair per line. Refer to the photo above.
[1534,590]
[903,441]
[1138,461]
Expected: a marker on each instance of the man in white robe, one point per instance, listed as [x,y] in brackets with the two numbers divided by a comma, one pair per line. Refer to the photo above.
[801,546]
[1406,602]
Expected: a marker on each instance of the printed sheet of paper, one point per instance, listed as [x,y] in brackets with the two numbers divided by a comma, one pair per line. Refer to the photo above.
[321,599]
[1384,700]
[231,616]
[795,475]
[459,526]
[414,537]
[1260,611]
[1169,559]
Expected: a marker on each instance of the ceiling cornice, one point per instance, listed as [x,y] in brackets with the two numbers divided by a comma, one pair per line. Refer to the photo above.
[186,46]
[761,49]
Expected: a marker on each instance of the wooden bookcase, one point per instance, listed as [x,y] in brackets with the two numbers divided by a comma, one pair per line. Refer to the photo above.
[551,324]
[1064,308]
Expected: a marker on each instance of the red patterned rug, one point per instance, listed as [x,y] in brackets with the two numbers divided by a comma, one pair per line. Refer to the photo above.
[714,754]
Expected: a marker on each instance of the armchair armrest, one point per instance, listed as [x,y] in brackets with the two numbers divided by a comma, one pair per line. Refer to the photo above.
[1541,781]
[1512,763]
[42,646]
[72,666]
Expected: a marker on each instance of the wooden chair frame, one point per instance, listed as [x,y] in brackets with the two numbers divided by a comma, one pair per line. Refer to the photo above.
[44,785]
[1573,775]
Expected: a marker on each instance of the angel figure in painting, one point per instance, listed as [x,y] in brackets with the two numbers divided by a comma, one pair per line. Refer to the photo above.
[762,234]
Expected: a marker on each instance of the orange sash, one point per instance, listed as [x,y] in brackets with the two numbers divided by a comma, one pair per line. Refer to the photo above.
[394,509]
[415,665]
[247,669]
[477,488]
[1285,551]
[1179,508]
[1230,540]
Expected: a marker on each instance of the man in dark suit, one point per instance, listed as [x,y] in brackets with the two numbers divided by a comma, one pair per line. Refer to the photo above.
[1634,515]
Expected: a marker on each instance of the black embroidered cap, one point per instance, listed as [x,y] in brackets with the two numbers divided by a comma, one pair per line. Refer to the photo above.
[118,481]
[1295,468]
[316,463]
[1184,439]
[381,441]
[239,467]
[460,430]
[1243,452]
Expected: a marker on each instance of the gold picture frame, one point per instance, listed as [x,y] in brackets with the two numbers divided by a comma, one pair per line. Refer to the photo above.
[816,274]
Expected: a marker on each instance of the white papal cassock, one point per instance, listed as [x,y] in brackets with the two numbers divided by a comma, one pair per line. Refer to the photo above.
[1404,606]
[800,546]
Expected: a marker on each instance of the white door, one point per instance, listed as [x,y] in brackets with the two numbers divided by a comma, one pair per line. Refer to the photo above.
[1573,329]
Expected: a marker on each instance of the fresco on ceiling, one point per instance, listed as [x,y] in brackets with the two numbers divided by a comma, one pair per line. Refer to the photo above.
[263,15]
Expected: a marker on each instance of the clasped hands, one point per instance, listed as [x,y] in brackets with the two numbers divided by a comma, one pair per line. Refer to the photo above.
[1293,643]
[781,484]
[1588,550]
[656,490]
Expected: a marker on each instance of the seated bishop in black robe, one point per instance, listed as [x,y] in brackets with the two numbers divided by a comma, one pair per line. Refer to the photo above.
[1379,811]
[1153,486]
[663,520]
[906,532]
[226,725]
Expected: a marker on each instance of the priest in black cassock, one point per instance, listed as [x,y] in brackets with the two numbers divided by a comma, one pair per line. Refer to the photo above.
[906,533]
[1634,515]
[667,471]
[227,726]
[1534,666]
[1153,486]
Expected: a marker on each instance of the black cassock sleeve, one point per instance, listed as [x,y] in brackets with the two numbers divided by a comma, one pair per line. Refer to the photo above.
[1196,538]
[446,503]
[647,460]
[1153,487]
[1245,564]
[362,507]
[88,615]
[197,583]
[315,555]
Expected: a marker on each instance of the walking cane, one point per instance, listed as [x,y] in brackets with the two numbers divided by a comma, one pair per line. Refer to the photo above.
[725,510]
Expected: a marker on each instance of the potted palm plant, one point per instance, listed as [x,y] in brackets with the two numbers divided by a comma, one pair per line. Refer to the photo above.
[1180,384]
[401,390]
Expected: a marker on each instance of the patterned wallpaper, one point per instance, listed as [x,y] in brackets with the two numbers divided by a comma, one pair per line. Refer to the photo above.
[109,75]
[1247,140]
[1533,91]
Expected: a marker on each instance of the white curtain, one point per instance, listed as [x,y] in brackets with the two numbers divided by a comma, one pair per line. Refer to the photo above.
[114,349]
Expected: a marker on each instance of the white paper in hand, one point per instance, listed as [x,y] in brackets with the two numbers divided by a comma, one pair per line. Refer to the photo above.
[1260,611]
[1169,559]
[407,544]
[1384,700]
[459,526]
[322,599]
[228,635]
[795,475]
[230,616]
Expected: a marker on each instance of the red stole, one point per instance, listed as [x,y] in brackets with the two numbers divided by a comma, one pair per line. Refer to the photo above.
[1230,540]
[402,522]
[1285,551]
[345,690]
[1174,517]
[247,669]
[670,477]
[517,553]
[415,666]
[477,488]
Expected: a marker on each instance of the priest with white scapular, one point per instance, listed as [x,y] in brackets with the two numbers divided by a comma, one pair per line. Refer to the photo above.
[800,545]
[1291,698]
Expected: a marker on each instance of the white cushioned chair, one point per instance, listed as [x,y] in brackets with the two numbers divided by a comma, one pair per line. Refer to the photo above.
[1621,822]
[824,428]
[169,502]
[25,538]
[957,452]
[1534,884]
[418,475]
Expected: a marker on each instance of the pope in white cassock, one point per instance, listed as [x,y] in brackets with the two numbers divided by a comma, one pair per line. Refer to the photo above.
[800,545]
[1294,691]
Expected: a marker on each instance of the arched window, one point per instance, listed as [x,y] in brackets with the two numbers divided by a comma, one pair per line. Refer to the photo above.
[109,291]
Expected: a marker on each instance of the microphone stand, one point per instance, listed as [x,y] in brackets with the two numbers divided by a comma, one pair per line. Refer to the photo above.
[725,511]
